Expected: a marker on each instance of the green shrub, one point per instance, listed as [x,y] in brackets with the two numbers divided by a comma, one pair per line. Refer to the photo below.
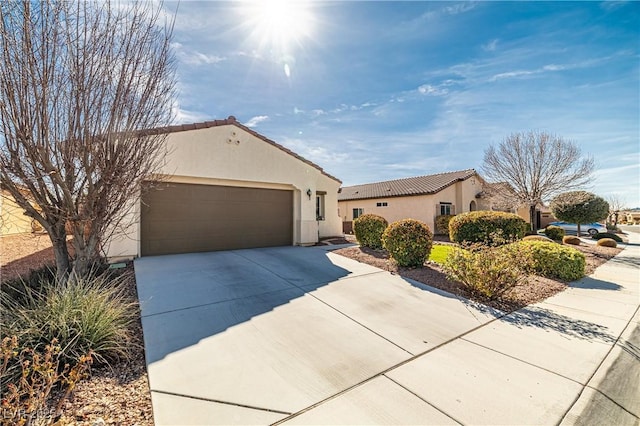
[602,235]
[607,242]
[571,239]
[488,270]
[536,238]
[554,232]
[83,314]
[442,224]
[486,227]
[408,242]
[552,260]
[368,230]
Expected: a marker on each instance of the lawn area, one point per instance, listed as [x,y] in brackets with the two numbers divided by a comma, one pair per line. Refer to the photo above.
[439,253]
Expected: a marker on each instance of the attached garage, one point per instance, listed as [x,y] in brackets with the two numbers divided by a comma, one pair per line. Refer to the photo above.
[184,218]
[223,186]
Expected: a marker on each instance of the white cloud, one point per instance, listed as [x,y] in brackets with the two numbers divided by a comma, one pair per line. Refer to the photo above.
[491,46]
[254,121]
[429,90]
[521,73]
[459,8]
[193,57]
[183,116]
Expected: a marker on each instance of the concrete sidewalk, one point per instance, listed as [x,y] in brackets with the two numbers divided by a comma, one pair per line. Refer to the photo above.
[572,359]
[302,336]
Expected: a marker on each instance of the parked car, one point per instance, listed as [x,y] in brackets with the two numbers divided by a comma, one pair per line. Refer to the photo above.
[590,228]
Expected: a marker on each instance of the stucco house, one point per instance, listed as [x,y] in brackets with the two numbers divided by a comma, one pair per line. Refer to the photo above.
[422,197]
[224,186]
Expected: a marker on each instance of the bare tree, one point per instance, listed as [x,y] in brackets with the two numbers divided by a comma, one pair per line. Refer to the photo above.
[616,205]
[77,82]
[536,166]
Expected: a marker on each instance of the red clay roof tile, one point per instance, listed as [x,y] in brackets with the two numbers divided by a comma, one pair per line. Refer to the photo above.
[419,185]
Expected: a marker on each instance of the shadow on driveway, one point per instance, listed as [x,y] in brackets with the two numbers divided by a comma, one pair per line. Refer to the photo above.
[188,297]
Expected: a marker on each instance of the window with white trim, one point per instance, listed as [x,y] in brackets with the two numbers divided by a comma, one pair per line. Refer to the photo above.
[446,208]
[357,213]
[382,204]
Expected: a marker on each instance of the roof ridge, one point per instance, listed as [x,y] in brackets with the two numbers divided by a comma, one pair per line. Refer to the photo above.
[413,177]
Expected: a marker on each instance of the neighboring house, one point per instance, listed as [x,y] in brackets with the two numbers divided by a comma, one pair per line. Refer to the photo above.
[630,217]
[502,197]
[543,215]
[422,197]
[12,217]
[224,187]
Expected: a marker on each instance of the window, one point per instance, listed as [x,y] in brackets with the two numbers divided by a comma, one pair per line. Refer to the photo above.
[446,208]
[357,213]
[383,204]
[319,206]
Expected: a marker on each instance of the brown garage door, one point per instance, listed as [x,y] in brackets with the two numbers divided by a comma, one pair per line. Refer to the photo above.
[184,218]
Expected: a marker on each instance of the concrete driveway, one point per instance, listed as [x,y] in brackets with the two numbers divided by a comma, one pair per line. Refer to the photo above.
[252,336]
[295,335]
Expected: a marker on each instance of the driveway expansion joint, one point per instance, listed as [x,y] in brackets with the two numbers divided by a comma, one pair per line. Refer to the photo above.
[217,401]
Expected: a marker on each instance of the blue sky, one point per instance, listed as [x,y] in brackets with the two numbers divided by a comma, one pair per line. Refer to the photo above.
[375,91]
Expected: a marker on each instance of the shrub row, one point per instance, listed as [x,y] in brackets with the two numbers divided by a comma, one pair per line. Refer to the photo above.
[368,230]
[408,241]
[488,227]
[554,232]
[602,235]
[554,260]
[488,270]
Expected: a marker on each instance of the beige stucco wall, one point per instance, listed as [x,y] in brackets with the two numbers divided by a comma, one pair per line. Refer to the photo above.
[12,217]
[228,155]
[420,207]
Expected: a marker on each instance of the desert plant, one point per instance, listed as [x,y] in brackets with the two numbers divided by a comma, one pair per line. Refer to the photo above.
[28,378]
[486,227]
[441,223]
[408,242]
[488,270]
[602,235]
[607,242]
[85,314]
[553,260]
[537,238]
[368,230]
[571,239]
[554,232]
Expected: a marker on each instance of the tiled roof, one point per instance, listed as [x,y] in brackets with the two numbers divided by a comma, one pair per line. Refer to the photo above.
[233,122]
[419,185]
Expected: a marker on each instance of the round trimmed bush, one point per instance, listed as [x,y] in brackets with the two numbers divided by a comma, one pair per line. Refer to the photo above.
[408,242]
[571,239]
[486,227]
[602,235]
[537,238]
[442,223]
[368,230]
[607,242]
[553,260]
[554,232]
